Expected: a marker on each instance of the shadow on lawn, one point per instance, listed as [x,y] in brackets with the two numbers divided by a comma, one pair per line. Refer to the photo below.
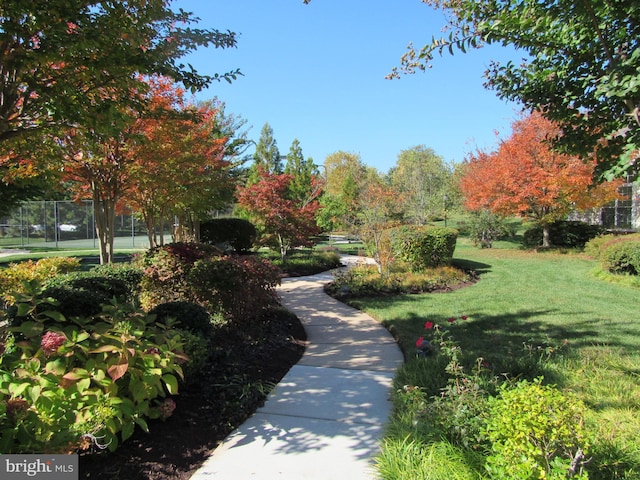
[477,268]
[516,343]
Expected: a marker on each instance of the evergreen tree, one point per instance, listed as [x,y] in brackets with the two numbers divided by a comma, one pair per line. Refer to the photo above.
[303,173]
[266,157]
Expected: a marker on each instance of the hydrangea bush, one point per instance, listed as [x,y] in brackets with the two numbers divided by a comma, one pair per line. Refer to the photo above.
[66,385]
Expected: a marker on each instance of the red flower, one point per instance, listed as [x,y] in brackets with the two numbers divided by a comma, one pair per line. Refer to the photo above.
[419,342]
[451,320]
[464,317]
[428,325]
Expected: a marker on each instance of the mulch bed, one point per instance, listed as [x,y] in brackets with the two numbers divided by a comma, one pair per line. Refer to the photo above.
[207,410]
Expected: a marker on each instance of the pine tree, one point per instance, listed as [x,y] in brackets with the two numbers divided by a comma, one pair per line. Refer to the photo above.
[266,157]
[303,173]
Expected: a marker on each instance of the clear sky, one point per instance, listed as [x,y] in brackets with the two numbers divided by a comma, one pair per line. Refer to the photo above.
[317,73]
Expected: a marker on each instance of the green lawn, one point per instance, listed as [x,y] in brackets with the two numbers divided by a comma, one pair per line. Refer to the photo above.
[550,306]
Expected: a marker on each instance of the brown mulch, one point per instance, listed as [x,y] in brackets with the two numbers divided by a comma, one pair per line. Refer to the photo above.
[207,410]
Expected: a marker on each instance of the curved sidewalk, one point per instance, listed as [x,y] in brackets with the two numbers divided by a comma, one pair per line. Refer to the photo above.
[325,418]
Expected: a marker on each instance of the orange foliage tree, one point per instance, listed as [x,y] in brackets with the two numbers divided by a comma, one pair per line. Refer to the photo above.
[168,160]
[178,166]
[526,177]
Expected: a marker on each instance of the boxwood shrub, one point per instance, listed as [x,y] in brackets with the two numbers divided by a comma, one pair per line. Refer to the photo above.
[420,247]
[622,257]
[237,233]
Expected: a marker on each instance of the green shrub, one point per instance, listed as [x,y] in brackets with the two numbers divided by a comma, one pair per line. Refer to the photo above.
[622,257]
[563,233]
[126,272]
[238,233]
[88,281]
[76,302]
[535,431]
[424,247]
[80,383]
[196,348]
[306,262]
[596,247]
[82,294]
[484,227]
[189,316]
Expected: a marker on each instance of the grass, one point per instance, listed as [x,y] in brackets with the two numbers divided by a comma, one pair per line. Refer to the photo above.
[533,313]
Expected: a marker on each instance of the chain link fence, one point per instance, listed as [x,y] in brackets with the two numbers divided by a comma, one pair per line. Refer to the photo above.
[65,223]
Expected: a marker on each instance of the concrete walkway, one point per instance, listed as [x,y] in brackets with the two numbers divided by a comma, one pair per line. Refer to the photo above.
[325,419]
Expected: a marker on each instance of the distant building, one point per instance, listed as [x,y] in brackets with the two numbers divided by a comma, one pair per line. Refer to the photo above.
[622,214]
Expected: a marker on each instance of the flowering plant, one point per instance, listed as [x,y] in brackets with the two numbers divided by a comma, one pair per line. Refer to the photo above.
[425,347]
[68,383]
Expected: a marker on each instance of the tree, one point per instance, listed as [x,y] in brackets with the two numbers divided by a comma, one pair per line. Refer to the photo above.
[345,175]
[99,168]
[68,62]
[266,156]
[178,168]
[526,177]
[581,69]
[75,63]
[283,222]
[305,185]
[22,179]
[424,180]
[379,208]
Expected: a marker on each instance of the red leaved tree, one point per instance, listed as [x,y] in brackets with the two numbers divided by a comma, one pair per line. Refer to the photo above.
[284,223]
[525,177]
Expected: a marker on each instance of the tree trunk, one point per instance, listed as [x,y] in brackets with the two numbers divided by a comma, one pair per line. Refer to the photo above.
[105,215]
[283,247]
[150,223]
[545,236]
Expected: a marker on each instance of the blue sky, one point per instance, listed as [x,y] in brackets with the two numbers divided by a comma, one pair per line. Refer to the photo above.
[317,73]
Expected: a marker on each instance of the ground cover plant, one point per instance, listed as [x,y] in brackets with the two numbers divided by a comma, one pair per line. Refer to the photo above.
[530,318]
[305,261]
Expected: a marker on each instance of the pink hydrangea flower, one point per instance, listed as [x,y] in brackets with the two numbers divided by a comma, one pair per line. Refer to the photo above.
[419,342]
[166,408]
[51,342]
[428,325]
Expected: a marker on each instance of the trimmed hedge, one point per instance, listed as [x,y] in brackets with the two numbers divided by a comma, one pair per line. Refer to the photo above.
[237,233]
[424,247]
[622,257]
[563,233]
